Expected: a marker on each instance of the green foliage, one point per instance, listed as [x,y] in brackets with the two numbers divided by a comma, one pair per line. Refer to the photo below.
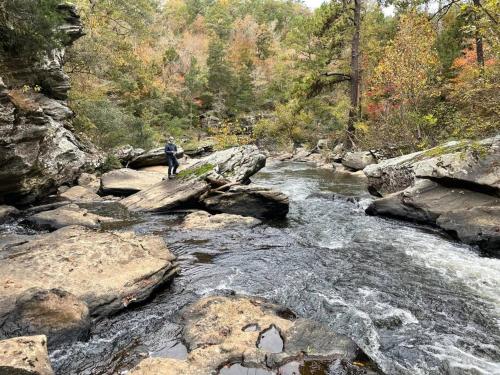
[30,27]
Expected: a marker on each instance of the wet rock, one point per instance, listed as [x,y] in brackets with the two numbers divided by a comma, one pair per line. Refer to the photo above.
[358,160]
[70,214]
[106,270]
[477,226]
[255,201]
[127,181]
[153,157]
[38,152]
[127,153]
[472,216]
[236,164]
[204,220]
[218,342]
[6,212]
[25,356]
[79,194]
[90,182]
[55,313]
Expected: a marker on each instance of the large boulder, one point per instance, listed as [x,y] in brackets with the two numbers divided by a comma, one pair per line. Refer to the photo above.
[127,181]
[105,270]
[255,201]
[38,152]
[67,215]
[25,356]
[357,161]
[55,313]
[155,156]
[472,216]
[125,154]
[233,165]
[455,163]
[251,336]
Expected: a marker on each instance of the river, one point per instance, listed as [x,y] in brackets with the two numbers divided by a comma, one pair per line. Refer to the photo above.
[415,301]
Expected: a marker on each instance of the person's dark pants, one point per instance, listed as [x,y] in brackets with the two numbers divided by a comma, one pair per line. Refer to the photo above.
[172,165]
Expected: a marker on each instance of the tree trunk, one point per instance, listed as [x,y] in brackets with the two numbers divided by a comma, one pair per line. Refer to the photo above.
[355,76]
[479,41]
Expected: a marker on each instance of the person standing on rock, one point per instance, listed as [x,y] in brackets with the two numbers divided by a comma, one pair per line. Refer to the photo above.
[170,151]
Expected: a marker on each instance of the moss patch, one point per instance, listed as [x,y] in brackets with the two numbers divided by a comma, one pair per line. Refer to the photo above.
[196,172]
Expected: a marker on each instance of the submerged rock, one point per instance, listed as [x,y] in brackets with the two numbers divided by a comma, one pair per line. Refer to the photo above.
[25,356]
[358,160]
[236,164]
[219,343]
[64,216]
[249,200]
[127,181]
[38,152]
[105,270]
[204,220]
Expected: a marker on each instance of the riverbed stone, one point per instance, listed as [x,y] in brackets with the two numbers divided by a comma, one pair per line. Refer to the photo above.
[233,165]
[67,215]
[106,270]
[128,181]
[6,212]
[215,332]
[90,182]
[207,221]
[357,161]
[55,313]
[25,356]
[79,194]
[249,200]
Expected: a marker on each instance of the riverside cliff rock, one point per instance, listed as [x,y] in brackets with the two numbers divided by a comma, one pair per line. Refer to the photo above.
[38,150]
[455,187]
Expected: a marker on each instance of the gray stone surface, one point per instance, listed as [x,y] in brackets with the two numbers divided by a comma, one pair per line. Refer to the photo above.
[127,181]
[25,356]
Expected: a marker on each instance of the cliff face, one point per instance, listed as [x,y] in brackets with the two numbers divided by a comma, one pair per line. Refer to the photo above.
[38,150]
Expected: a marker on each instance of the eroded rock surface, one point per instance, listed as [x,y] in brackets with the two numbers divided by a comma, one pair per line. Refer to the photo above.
[127,181]
[153,157]
[38,152]
[204,220]
[25,356]
[106,270]
[79,194]
[215,332]
[6,212]
[249,200]
[64,216]
[90,182]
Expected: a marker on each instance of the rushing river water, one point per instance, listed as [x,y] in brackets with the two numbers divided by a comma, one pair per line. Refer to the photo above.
[416,302]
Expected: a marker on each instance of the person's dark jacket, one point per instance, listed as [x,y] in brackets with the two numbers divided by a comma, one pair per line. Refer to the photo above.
[170,150]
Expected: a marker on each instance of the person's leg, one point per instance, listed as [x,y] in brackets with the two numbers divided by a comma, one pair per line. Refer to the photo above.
[170,166]
[176,165]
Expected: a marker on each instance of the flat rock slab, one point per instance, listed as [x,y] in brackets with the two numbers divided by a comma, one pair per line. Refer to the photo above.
[225,332]
[204,220]
[80,194]
[106,270]
[256,201]
[25,356]
[127,181]
[64,216]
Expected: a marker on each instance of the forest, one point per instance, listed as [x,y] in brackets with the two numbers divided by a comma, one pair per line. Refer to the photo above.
[275,72]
